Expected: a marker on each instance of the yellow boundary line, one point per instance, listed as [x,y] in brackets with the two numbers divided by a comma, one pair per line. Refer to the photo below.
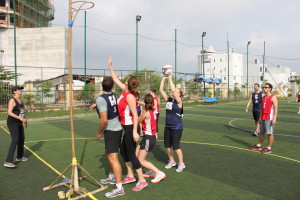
[201,143]
[46,163]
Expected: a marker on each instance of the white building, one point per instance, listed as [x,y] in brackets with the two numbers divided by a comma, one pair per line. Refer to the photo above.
[278,76]
[41,52]
[255,73]
[293,84]
[216,66]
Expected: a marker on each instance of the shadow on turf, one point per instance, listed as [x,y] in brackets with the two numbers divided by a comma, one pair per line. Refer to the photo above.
[246,144]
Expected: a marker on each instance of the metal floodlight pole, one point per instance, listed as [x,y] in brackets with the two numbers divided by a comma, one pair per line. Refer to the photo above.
[73,184]
[85,60]
[15,41]
[263,74]
[228,87]
[137,19]
[202,56]
[175,56]
[249,42]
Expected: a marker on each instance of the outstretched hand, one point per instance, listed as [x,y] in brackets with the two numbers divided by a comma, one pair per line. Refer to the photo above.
[109,61]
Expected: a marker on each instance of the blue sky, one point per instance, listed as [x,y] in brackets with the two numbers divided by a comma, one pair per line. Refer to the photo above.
[111,31]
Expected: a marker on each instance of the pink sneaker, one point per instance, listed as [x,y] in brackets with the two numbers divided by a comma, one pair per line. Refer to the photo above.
[139,186]
[128,179]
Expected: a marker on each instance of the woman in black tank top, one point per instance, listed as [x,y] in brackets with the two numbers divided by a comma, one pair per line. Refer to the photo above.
[15,120]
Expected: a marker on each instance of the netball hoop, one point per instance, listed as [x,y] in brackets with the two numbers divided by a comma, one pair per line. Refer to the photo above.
[73,184]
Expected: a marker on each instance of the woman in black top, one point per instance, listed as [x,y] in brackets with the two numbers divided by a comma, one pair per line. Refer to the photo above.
[15,120]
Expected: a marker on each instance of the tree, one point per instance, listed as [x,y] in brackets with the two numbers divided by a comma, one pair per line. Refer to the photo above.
[90,93]
[5,76]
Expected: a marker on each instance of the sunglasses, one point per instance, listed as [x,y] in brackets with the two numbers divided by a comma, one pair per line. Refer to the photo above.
[266,87]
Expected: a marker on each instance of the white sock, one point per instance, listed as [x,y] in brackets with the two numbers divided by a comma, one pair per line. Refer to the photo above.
[111,175]
[119,185]
[258,145]
[269,147]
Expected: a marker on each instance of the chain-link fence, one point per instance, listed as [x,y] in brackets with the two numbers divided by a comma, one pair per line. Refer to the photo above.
[45,90]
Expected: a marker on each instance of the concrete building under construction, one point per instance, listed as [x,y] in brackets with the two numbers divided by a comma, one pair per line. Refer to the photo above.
[29,13]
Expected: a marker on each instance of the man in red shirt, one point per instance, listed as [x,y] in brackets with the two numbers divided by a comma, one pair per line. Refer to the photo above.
[298,100]
[268,119]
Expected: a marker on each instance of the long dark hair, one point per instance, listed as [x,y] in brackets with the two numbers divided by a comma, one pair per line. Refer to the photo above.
[133,83]
[148,102]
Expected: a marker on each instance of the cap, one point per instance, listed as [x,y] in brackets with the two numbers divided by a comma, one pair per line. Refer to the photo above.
[16,88]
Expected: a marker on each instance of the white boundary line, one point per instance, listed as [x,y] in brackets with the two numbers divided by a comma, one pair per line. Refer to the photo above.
[230,124]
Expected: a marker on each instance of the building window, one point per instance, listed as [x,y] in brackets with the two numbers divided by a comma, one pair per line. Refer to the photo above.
[224,78]
[214,60]
[214,68]
[220,71]
[260,69]
[224,69]
[234,77]
[220,59]
[261,78]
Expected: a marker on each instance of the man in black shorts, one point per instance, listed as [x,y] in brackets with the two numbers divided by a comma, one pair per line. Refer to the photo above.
[255,98]
[112,129]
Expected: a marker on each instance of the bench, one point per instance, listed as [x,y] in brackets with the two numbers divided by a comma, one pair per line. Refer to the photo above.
[210,99]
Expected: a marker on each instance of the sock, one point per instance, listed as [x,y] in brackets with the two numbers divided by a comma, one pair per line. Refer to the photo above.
[171,161]
[119,185]
[258,145]
[111,175]
[181,163]
[269,147]
[140,181]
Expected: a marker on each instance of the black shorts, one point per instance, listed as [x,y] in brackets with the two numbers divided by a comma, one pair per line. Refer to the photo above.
[256,115]
[112,141]
[148,143]
[172,138]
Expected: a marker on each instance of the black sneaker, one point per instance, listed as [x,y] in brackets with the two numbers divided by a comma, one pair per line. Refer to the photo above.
[255,147]
[115,192]
[266,151]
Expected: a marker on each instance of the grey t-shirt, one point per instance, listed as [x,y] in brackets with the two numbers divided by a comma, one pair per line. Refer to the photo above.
[113,124]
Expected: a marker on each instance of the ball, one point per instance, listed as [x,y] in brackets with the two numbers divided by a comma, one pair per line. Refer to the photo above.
[167,70]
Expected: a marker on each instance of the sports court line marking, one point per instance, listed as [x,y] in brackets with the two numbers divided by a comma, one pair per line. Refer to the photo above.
[47,164]
[246,118]
[219,145]
[230,124]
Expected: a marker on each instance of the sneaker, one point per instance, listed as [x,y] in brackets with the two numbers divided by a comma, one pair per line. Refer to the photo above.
[139,186]
[170,165]
[128,179]
[298,113]
[180,167]
[266,151]
[23,159]
[9,165]
[255,133]
[115,192]
[255,147]
[108,180]
[149,174]
[159,176]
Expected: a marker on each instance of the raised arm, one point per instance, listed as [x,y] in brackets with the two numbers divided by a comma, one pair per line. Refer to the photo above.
[161,89]
[114,75]
[176,94]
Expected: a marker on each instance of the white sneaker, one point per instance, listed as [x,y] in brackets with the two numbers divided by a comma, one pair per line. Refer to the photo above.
[149,173]
[255,133]
[115,192]
[159,176]
[108,180]
[298,113]
[170,165]
[23,159]
[9,165]
[180,167]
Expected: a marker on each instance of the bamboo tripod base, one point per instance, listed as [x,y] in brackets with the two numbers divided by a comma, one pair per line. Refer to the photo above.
[73,184]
